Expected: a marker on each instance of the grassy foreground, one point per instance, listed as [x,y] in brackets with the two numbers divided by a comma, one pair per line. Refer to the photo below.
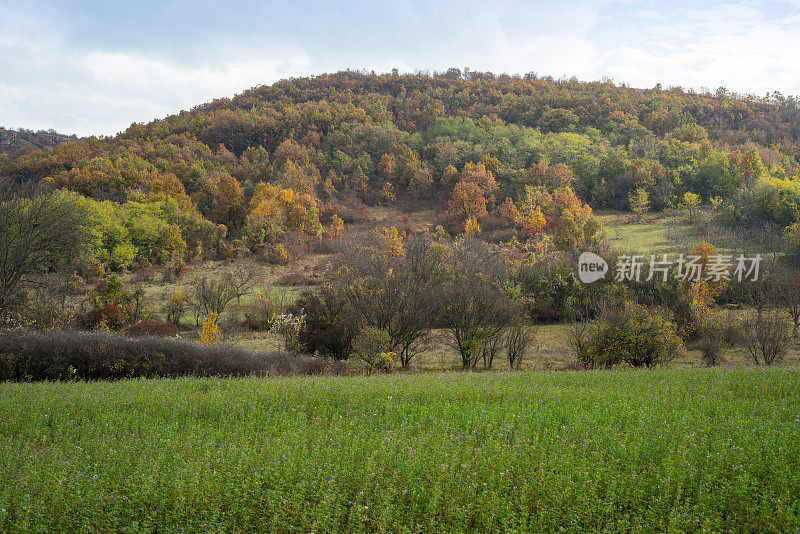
[629,451]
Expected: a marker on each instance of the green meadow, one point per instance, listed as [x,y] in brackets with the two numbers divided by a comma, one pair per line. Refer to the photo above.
[615,451]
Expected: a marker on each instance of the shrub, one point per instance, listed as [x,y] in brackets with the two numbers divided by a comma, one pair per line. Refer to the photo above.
[718,331]
[766,336]
[210,333]
[288,326]
[635,335]
[175,270]
[175,306]
[90,269]
[260,313]
[385,361]
[372,345]
[211,296]
[114,305]
[276,254]
[517,340]
[63,355]
[330,322]
[153,327]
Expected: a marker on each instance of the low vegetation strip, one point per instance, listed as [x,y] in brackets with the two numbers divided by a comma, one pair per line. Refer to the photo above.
[67,355]
[614,451]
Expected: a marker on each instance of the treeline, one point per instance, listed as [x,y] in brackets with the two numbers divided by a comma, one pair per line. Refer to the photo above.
[386,296]
[339,140]
[383,298]
[21,141]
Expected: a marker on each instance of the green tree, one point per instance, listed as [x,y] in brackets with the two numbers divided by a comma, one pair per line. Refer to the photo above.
[639,201]
[37,234]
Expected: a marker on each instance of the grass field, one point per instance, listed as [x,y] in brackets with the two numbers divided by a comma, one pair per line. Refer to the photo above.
[637,451]
[673,232]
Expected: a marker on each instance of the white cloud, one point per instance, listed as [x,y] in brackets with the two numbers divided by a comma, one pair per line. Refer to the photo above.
[735,46]
[50,78]
[103,92]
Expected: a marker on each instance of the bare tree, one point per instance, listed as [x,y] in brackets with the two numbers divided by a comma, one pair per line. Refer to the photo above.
[211,295]
[581,309]
[241,279]
[518,338]
[491,348]
[395,295]
[474,308]
[767,336]
[789,298]
[38,234]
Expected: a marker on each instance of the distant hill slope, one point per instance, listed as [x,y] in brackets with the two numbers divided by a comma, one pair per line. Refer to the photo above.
[21,141]
[486,148]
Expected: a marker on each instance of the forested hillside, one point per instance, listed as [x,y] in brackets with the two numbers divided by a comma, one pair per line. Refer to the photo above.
[21,141]
[512,155]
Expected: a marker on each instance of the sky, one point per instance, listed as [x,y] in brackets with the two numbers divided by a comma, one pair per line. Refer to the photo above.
[89,67]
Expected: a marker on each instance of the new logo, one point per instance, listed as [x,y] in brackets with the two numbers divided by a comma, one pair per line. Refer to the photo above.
[591,267]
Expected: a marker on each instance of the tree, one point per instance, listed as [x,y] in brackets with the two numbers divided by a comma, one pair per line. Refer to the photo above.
[395,295]
[639,202]
[506,214]
[330,324]
[370,345]
[392,243]
[633,334]
[767,336]
[531,220]
[38,234]
[517,340]
[466,201]
[472,228]
[792,238]
[791,303]
[227,206]
[474,308]
[211,296]
[241,279]
[335,228]
[210,333]
[691,204]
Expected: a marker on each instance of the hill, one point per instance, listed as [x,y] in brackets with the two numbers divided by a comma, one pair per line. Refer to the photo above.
[338,140]
[281,176]
[21,141]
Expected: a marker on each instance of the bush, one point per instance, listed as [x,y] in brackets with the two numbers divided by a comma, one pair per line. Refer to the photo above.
[635,335]
[210,333]
[67,355]
[260,313]
[518,339]
[211,296]
[767,336]
[288,326]
[153,327]
[330,322]
[717,332]
[374,346]
[385,361]
[175,270]
[114,305]
[175,306]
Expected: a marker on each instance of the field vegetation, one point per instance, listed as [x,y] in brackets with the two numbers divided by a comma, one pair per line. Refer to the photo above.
[604,451]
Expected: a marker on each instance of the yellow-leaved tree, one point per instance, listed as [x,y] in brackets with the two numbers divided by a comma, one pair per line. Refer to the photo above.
[472,228]
[392,243]
[209,332]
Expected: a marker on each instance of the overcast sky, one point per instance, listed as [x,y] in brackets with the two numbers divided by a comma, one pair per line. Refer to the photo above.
[95,67]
